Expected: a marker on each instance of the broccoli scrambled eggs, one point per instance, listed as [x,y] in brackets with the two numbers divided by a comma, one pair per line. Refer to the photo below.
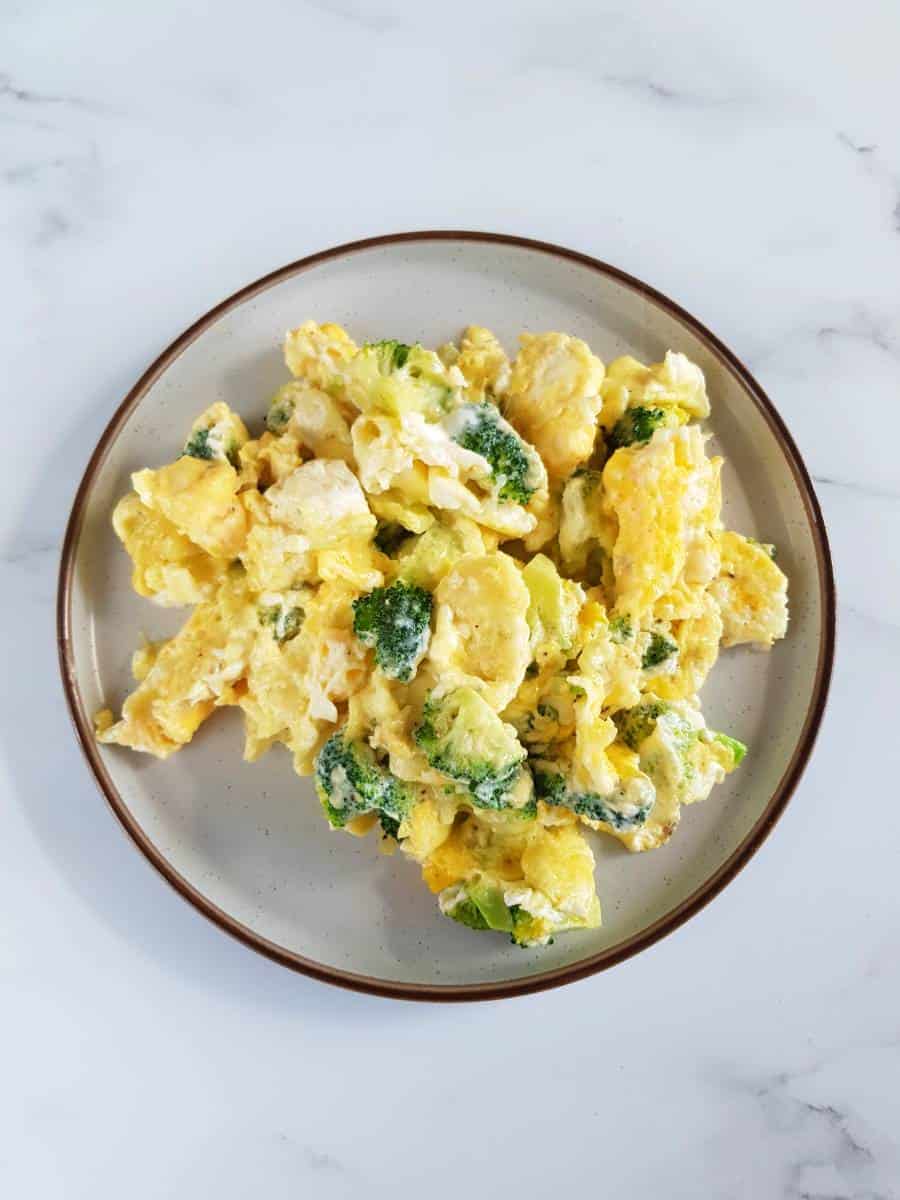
[475,599]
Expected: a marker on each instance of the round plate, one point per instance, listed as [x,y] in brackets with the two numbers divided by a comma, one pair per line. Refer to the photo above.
[246,844]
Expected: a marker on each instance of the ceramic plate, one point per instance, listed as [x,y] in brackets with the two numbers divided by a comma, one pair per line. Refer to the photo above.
[246,844]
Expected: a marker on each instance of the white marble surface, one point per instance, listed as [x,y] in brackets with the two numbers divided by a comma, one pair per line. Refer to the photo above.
[744,159]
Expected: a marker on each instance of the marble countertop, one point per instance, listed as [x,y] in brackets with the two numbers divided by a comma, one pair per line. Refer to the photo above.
[745,160]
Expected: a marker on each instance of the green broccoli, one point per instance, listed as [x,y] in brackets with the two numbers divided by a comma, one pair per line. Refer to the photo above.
[391,355]
[205,444]
[618,810]
[677,752]
[514,467]
[550,787]
[285,620]
[620,630]
[491,905]
[637,425]
[659,649]
[463,737]
[350,781]
[636,724]
[197,445]
[216,436]
[467,913]
[392,377]
[390,826]
[667,740]
[554,607]
[425,558]
[396,622]
[479,905]
[528,811]
[281,408]
[738,749]
[528,930]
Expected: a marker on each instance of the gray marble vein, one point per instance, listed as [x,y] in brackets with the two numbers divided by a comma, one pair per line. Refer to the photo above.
[671,95]
[9,90]
[854,324]
[816,1149]
[864,328]
[853,485]
[368,17]
[869,158]
[856,147]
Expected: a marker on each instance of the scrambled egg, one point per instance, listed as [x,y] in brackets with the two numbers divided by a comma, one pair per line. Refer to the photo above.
[475,598]
[554,398]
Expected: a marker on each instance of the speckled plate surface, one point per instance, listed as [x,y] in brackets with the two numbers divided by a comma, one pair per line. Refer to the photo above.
[246,844]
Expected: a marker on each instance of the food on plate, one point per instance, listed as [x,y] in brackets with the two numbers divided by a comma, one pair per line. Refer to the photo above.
[476,599]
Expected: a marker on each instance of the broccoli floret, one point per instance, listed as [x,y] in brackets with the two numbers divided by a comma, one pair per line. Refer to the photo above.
[550,787]
[528,811]
[617,810]
[659,649]
[350,781]
[479,905]
[527,929]
[389,536]
[620,629]
[390,826]
[600,808]
[390,355]
[666,739]
[197,445]
[425,558]
[490,903]
[285,620]
[281,408]
[204,444]
[554,606]
[738,749]
[392,377]
[636,724]
[216,436]
[637,425]
[463,737]
[396,622]
[467,913]
[481,429]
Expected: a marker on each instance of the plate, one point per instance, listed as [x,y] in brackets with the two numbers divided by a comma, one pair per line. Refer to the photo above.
[246,844]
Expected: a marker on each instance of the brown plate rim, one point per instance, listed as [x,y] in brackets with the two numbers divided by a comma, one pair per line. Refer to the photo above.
[559,975]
